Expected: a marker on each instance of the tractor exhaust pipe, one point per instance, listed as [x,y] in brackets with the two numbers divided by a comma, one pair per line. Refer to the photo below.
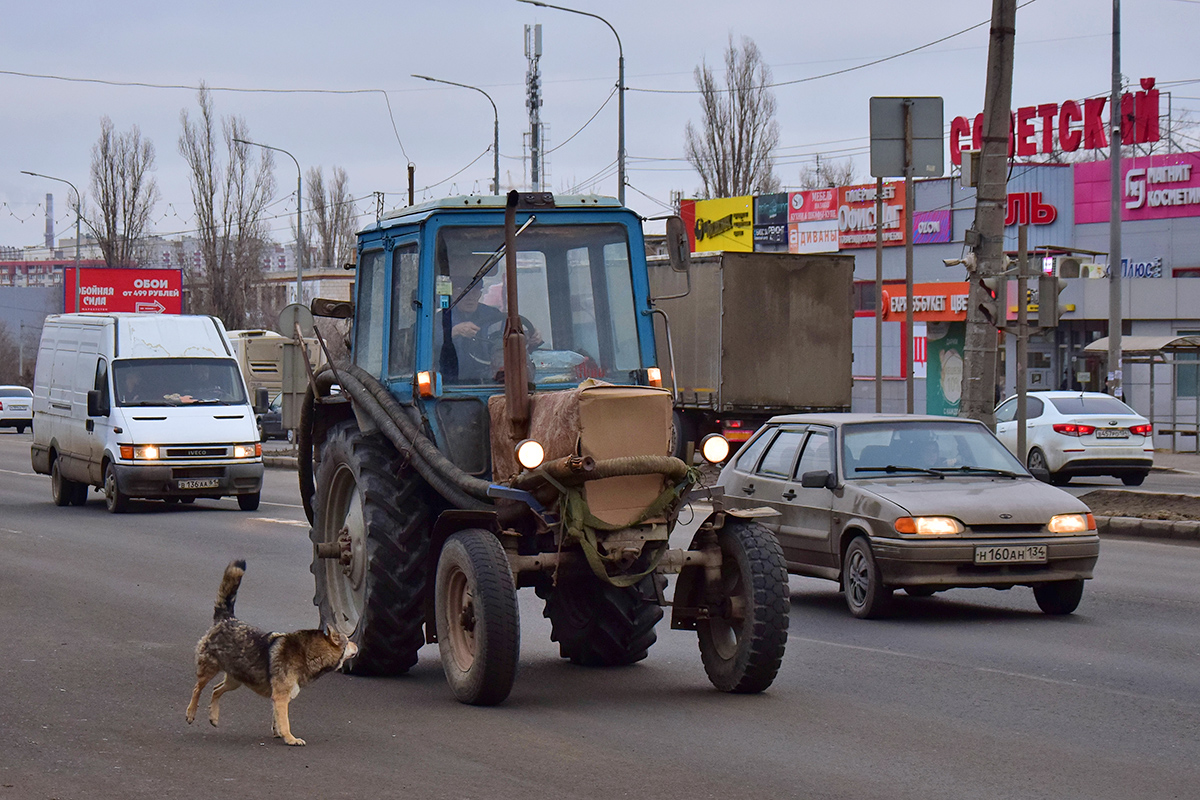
[516,354]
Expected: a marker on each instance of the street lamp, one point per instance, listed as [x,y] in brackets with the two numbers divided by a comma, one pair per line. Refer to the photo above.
[78,215]
[495,128]
[299,217]
[620,92]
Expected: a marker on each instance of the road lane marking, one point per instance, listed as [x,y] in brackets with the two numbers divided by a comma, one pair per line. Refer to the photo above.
[282,505]
[14,472]
[297,523]
[1022,675]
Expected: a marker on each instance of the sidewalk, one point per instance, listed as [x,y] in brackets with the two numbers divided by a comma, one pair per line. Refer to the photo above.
[1177,462]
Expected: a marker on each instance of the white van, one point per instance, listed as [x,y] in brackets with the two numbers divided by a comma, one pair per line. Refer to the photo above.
[143,405]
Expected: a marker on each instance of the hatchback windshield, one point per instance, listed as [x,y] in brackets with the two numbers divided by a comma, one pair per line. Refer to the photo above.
[575,297]
[177,382]
[880,448]
[1091,404]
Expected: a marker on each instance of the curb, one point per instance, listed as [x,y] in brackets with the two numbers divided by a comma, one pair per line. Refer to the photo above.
[280,462]
[1162,529]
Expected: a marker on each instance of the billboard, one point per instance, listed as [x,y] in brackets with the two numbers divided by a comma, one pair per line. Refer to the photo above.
[144,291]
[856,215]
[813,205]
[932,227]
[1152,187]
[726,223]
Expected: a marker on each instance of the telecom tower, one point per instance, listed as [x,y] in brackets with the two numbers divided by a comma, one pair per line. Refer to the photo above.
[533,101]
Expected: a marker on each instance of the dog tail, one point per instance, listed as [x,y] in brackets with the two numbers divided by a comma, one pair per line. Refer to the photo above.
[227,594]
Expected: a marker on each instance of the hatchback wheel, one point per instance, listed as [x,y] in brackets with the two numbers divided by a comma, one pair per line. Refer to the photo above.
[1058,597]
[866,596]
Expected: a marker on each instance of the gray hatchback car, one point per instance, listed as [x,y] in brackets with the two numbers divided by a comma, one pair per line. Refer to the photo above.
[918,503]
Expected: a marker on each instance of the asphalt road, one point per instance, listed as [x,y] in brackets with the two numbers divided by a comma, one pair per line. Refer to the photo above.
[971,694]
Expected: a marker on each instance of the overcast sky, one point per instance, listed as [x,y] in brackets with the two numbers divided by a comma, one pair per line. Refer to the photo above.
[1063,51]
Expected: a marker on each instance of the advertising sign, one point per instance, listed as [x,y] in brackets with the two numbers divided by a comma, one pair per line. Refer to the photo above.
[724,224]
[144,291]
[813,237]
[1152,187]
[812,205]
[931,227]
[771,209]
[944,345]
[771,238]
[932,302]
[856,215]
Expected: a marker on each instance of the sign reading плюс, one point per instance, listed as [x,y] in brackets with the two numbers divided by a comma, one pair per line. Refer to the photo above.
[143,291]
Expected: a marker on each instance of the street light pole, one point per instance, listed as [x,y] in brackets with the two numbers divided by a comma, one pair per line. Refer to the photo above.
[299,216]
[495,127]
[620,91]
[78,215]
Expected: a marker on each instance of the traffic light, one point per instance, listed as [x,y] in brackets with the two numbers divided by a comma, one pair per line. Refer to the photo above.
[1049,288]
[995,300]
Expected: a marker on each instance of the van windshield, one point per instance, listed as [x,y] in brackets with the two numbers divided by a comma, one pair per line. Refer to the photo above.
[178,382]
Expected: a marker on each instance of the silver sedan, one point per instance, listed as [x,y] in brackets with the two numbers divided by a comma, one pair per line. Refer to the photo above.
[880,502]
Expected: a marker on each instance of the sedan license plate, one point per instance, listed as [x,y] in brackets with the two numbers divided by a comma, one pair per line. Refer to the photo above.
[1112,433]
[199,483]
[1011,554]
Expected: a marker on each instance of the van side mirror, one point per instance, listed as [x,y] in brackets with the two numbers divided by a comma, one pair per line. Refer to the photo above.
[679,251]
[818,479]
[262,400]
[96,407]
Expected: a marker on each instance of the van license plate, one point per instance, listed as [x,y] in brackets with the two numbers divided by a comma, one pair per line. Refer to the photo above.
[1029,553]
[199,483]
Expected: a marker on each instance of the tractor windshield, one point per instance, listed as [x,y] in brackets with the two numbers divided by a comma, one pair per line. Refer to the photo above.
[576,304]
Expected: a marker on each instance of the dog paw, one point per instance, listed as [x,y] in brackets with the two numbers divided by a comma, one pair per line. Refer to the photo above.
[294,742]
[212,721]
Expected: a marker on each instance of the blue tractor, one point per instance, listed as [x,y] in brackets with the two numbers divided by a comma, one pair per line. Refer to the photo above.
[501,423]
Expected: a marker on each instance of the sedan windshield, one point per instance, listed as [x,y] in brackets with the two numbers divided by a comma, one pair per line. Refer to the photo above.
[879,449]
[178,382]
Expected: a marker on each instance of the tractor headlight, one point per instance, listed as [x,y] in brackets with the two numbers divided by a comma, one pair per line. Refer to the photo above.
[530,454]
[714,448]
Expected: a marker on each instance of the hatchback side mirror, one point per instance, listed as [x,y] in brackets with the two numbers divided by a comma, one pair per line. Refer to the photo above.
[818,479]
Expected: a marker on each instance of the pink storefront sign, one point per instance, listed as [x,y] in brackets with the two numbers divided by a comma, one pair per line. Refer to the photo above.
[1152,187]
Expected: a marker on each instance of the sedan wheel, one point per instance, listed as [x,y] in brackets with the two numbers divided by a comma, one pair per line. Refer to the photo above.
[866,596]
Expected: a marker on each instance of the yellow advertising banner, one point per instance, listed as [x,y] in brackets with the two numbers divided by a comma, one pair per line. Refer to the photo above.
[726,223]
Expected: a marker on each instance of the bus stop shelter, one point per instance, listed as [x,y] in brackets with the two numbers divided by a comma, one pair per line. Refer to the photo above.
[1172,355]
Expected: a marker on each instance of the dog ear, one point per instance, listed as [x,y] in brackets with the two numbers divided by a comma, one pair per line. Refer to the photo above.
[332,634]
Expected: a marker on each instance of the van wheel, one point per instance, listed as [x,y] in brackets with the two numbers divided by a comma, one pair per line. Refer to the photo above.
[115,500]
[63,490]
[249,502]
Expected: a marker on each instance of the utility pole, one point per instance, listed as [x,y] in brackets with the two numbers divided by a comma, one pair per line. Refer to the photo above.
[533,101]
[986,237]
[1114,214]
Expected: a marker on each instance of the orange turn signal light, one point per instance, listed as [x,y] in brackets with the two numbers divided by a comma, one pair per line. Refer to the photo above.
[654,377]
[425,384]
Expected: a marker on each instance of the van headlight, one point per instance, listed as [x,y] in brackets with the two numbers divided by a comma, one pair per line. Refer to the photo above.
[145,452]
[247,450]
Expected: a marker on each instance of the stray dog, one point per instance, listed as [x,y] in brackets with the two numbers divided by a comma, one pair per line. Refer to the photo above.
[274,665]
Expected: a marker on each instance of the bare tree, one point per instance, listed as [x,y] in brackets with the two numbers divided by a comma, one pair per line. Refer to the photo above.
[825,174]
[230,198]
[125,192]
[330,218]
[732,149]
[9,357]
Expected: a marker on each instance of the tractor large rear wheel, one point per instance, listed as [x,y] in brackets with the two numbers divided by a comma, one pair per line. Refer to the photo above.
[375,512]
[600,625]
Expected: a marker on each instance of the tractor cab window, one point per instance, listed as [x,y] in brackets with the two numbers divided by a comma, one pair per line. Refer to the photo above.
[575,299]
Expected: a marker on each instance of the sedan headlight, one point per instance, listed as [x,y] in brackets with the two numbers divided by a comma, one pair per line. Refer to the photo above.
[929,526]
[1072,523]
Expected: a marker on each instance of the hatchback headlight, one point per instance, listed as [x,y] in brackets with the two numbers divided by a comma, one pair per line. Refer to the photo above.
[929,526]
[1072,523]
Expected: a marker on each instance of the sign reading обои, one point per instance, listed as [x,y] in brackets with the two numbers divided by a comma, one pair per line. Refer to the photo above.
[145,291]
